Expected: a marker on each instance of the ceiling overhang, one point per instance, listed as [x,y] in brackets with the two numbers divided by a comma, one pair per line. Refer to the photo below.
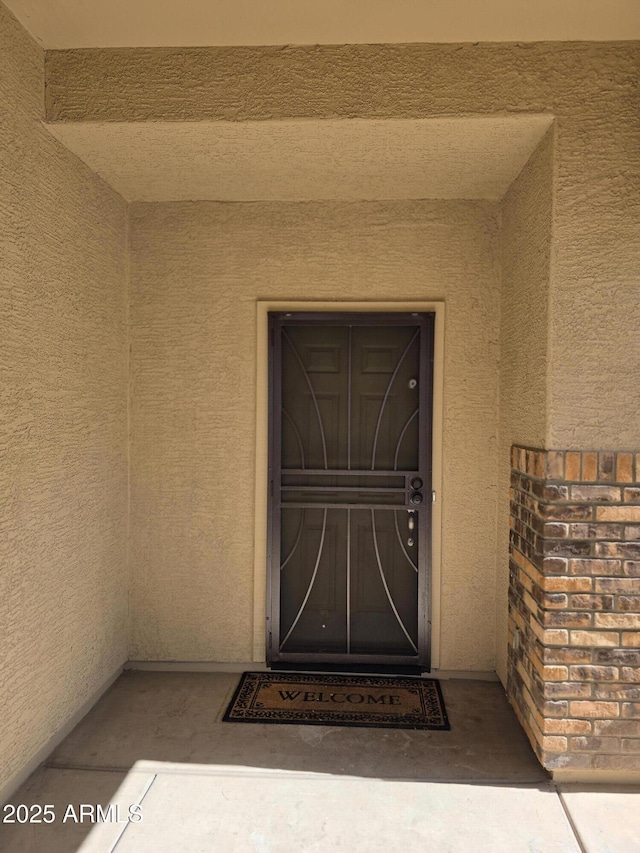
[59,24]
[344,159]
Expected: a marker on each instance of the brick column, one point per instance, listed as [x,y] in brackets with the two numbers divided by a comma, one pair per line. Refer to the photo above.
[574,606]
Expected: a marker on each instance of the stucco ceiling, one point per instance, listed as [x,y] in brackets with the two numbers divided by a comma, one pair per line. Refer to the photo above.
[180,23]
[300,160]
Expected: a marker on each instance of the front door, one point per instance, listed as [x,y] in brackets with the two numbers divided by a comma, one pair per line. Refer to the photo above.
[350,488]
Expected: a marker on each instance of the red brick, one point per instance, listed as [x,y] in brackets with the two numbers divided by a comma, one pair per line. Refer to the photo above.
[553,743]
[555,565]
[595,744]
[567,760]
[554,492]
[589,466]
[594,494]
[524,675]
[617,549]
[624,657]
[552,655]
[549,636]
[567,690]
[593,673]
[567,584]
[603,710]
[567,548]
[595,567]
[624,467]
[572,465]
[566,619]
[617,585]
[555,465]
[630,744]
[537,463]
[529,603]
[618,691]
[595,639]
[622,728]
[631,710]
[551,673]
[632,495]
[555,600]
[555,637]
[591,602]
[552,708]
[629,602]
[587,530]
[616,620]
[631,639]
[567,727]
[606,466]
[618,513]
[555,530]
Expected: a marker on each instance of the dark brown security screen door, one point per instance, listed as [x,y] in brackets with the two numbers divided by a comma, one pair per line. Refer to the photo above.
[350,488]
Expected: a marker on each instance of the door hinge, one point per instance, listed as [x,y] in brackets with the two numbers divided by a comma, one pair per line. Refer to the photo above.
[433,496]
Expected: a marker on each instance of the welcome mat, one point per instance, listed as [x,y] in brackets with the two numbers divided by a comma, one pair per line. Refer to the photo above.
[338,700]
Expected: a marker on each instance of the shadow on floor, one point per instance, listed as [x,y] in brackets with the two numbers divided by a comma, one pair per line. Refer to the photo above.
[175,717]
[165,730]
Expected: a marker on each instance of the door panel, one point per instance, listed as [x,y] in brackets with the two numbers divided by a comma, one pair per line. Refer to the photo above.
[313,582]
[349,526]
[384,614]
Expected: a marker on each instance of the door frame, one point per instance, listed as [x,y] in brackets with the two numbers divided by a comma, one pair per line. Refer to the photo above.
[264,307]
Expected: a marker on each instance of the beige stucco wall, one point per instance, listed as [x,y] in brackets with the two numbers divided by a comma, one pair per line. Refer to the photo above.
[63,419]
[591,89]
[197,271]
[526,245]
[594,312]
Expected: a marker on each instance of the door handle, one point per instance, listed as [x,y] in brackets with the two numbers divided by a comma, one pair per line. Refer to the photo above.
[411,523]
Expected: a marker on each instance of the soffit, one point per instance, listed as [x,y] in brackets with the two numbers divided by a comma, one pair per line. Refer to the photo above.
[183,23]
[301,160]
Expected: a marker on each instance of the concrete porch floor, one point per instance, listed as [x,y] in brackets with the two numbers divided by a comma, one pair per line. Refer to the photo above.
[156,739]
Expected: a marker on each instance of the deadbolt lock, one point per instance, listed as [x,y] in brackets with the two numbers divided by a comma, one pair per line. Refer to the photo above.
[416,498]
[416,483]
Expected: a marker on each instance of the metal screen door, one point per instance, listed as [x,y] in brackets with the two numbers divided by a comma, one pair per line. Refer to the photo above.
[350,488]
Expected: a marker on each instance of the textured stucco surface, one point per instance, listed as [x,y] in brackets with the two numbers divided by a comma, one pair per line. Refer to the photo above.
[63,419]
[594,353]
[337,159]
[196,273]
[198,270]
[526,245]
[591,89]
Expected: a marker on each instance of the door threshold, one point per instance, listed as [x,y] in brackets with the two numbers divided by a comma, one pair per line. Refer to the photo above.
[348,668]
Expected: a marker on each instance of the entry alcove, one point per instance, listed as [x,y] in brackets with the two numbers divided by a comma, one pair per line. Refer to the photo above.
[225,214]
